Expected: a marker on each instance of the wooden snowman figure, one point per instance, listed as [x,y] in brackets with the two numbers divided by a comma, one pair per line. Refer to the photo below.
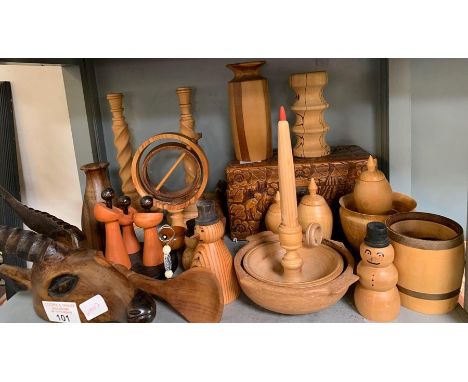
[211,252]
[376,296]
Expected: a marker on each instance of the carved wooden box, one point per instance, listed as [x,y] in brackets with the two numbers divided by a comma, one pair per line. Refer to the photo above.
[251,187]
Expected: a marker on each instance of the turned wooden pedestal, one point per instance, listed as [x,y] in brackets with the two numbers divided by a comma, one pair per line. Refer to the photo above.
[252,186]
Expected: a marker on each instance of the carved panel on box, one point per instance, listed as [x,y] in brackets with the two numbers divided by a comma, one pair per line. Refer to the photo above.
[252,187]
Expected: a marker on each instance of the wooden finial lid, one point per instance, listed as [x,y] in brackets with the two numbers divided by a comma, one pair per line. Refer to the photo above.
[313,199]
[373,174]
[276,206]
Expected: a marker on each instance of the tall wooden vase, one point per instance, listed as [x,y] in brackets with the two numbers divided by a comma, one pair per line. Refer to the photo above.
[310,127]
[249,106]
[97,179]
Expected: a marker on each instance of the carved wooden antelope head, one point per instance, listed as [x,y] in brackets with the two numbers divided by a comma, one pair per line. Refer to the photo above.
[63,274]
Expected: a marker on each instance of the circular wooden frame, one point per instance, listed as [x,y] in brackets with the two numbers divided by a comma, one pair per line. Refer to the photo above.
[181,199]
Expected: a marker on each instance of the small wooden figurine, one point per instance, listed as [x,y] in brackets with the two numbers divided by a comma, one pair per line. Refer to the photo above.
[273,215]
[376,295]
[313,208]
[310,127]
[152,248]
[211,252]
[372,192]
[126,222]
[115,252]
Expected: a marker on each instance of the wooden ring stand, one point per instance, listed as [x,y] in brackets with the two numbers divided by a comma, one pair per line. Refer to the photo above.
[174,200]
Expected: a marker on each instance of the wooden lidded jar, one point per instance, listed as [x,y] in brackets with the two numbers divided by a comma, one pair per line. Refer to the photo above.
[430,258]
[313,208]
[372,191]
[249,106]
[273,215]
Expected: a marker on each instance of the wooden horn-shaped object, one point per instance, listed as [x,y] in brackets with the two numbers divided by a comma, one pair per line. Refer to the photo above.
[290,231]
[195,294]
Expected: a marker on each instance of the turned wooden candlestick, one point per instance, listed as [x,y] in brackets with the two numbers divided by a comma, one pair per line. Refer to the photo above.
[152,248]
[187,127]
[123,146]
[310,127]
[290,232]
[126,222]
[105,213]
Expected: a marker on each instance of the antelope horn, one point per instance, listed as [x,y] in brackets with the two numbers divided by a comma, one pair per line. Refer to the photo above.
[29,245]
[45,223]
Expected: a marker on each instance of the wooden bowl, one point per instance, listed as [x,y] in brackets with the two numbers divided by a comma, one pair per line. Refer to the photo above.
[321,264]
[355,223]
[293,299]
[430,258]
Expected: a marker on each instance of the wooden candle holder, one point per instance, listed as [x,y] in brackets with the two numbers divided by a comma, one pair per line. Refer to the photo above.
[115,251]
[310,127]
[126,222]
[187,128]
[152,248]
[123,146]
[278,271]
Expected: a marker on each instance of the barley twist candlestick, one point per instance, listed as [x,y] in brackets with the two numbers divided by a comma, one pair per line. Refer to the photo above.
[123,147]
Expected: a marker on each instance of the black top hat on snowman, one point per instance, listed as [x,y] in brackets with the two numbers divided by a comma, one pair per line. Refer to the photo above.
[206,212]
[376,235]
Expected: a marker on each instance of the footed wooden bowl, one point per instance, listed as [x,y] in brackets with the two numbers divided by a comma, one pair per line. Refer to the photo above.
[355,223]
[293,299]
[321,264]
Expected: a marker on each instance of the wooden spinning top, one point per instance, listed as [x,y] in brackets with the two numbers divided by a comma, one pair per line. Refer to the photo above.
[126,222]
[152,248]
[372,191]
[273,215]
[313,208]
[105,213]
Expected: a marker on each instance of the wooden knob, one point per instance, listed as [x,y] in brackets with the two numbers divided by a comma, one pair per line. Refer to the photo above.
[108,194]
[146,202]
[124,202]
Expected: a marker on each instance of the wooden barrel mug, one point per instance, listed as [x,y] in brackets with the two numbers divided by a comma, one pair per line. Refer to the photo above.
[430,258]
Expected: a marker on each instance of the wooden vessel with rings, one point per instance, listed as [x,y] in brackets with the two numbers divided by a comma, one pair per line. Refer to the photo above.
[152,155]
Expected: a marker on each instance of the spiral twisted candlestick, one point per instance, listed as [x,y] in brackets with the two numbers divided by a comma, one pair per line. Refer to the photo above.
[123,147]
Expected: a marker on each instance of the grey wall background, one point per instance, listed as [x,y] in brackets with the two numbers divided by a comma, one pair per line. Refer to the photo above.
[429,133]
[151,104]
